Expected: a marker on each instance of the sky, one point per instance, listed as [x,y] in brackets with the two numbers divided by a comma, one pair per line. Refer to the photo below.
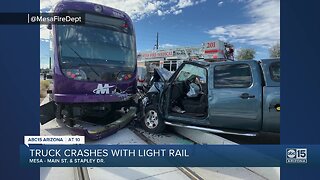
[243,23]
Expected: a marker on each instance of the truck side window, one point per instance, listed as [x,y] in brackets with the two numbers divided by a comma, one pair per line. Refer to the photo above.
[275,71]
[232,76]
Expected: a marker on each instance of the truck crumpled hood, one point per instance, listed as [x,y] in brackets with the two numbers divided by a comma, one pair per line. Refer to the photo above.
[162,74]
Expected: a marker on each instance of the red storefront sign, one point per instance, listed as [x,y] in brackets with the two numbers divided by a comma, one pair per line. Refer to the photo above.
[159,54]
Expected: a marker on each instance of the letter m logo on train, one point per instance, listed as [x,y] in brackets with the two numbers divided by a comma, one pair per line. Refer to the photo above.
[102,89]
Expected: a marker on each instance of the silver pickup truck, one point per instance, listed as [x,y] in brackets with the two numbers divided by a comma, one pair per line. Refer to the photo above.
[238,97]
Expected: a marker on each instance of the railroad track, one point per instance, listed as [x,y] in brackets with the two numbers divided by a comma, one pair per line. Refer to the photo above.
[169,137]
[172,137]
[189,136]
[185,170]
[81,173]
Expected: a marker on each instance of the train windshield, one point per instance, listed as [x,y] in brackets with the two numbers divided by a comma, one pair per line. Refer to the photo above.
[103,45]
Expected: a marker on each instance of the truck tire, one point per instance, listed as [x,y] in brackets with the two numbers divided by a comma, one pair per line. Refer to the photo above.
[152,122]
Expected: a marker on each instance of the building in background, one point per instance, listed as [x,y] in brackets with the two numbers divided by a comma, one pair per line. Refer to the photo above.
[172,58]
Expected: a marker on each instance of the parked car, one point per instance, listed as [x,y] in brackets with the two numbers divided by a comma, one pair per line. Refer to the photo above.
[237,97]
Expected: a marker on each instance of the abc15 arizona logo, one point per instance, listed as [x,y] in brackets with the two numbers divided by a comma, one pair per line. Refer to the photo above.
[296,155]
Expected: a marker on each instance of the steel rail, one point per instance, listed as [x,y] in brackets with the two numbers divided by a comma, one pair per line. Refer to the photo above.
[185,170]
[81,173]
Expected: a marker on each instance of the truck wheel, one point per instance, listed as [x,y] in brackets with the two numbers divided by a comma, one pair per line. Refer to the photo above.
[152,122]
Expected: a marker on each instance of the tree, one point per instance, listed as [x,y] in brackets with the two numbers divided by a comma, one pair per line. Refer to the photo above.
[245,54]
[275,51]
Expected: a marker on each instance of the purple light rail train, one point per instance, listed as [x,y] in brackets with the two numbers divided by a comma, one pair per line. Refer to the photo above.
[94,63]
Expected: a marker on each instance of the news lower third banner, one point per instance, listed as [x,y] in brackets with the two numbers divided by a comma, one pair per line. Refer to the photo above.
[169,155]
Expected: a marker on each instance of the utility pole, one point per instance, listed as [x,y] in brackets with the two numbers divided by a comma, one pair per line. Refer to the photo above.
[49,62]
[157,44]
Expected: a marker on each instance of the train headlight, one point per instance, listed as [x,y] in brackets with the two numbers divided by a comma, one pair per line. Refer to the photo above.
[98,8]
[76,74]
[124,76]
